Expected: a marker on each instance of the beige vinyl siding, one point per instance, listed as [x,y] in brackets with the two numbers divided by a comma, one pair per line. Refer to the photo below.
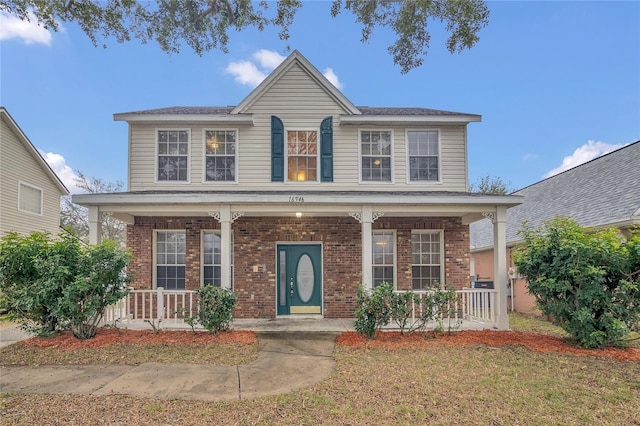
[17,164]
[300,112]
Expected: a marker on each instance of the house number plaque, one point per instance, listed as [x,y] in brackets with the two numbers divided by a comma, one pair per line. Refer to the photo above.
[296,199]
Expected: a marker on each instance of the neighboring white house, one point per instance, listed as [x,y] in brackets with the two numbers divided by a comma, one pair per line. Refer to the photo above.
[295,197]
[29,190]
[603,192]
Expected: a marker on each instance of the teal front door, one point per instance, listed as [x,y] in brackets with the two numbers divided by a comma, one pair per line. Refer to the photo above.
[299,287]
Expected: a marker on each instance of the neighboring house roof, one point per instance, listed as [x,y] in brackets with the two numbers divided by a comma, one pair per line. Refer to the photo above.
[4,114]
[602,192]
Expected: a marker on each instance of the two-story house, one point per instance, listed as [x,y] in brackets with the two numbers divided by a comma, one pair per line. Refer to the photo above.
[29,190]
[295,197]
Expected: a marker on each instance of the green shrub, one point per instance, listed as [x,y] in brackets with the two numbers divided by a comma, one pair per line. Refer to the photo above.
[373,309]
[54,283]
[214,308]
[99,283]
[589,282]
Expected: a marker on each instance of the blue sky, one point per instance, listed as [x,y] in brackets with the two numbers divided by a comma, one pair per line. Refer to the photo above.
[557,83]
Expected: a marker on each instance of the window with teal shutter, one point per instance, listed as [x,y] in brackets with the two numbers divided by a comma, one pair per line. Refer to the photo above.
[326,149]
[277,150]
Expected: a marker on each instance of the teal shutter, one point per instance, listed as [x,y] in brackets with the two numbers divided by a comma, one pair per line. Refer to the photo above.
[326,150]
[277,150]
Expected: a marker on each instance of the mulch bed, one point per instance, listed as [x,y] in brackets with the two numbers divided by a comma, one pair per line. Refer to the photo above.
[388,339]
[109,336]
[534,341]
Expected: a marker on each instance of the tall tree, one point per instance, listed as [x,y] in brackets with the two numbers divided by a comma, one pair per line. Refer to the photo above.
[204,24]
[75,218]
[491,185]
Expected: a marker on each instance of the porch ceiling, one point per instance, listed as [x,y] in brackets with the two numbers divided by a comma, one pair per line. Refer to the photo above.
[124,206]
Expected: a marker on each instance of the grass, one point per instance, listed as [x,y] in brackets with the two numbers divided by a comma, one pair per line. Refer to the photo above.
[441,385]
[535,324]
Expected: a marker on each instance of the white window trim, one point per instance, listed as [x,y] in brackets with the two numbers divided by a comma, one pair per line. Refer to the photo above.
[204,156]
[442,252]
[20,183]
[408,168]
[395,255]
[286,155]
[154,252]
[202,264]
[156,162]
[391,158]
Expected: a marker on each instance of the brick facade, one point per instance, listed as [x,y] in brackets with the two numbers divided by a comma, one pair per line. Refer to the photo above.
[255,240]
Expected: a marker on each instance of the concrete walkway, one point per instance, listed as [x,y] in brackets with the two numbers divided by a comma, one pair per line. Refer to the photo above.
[286,361]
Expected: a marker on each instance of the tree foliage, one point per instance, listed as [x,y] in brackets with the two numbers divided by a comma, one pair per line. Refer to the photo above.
[55,283]
[75,218]
[204,25]
[588,281]
[491,185]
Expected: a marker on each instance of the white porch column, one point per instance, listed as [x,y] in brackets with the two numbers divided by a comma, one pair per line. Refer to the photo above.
[225,246]
[367,250]
[500,266]
[95,225]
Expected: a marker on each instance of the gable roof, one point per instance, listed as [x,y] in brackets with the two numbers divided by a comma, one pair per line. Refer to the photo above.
[353,115]
[602,192]
[4,114]
[296,58]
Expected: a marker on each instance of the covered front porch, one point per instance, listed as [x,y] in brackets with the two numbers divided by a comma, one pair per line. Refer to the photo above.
[252,226]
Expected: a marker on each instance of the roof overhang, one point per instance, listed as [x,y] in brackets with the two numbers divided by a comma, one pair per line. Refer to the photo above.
[125,206]
[185,118]
[408,120]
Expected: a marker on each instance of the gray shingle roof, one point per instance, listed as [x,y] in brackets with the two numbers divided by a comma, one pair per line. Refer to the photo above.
[182,110]
[604,191]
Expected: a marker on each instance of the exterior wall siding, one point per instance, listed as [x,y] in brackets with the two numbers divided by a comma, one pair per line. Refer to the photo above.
[255,241]
[301,104]
[18,165]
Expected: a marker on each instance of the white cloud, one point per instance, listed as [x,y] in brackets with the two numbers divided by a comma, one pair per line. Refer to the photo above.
[263,61]
[246,72]
[332,77]
[586,152]
[530,156]
[28,31]
[268,59]
[64,172]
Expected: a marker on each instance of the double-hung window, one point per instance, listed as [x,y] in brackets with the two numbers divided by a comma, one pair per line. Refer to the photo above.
[302,155]
[427,259]
[212,258]
[29,199]
[375,149]
[384,257]
[170,259]
[424,148]
[220,153]
[173,155]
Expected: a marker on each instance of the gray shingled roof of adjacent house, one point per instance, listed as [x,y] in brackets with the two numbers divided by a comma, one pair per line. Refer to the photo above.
[182,110]
[602,192]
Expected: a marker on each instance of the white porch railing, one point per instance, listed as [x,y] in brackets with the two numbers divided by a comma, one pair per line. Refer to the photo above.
[172,306]
[158,306]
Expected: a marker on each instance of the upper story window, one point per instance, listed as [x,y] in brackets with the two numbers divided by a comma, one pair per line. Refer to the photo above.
[220,153]
[424,153]
[375,149]
[302,155]
[173,155]
[29,199]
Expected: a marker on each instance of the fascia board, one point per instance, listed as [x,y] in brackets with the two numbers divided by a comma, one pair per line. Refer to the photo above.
[408,119]
[392,201]
[183,118]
